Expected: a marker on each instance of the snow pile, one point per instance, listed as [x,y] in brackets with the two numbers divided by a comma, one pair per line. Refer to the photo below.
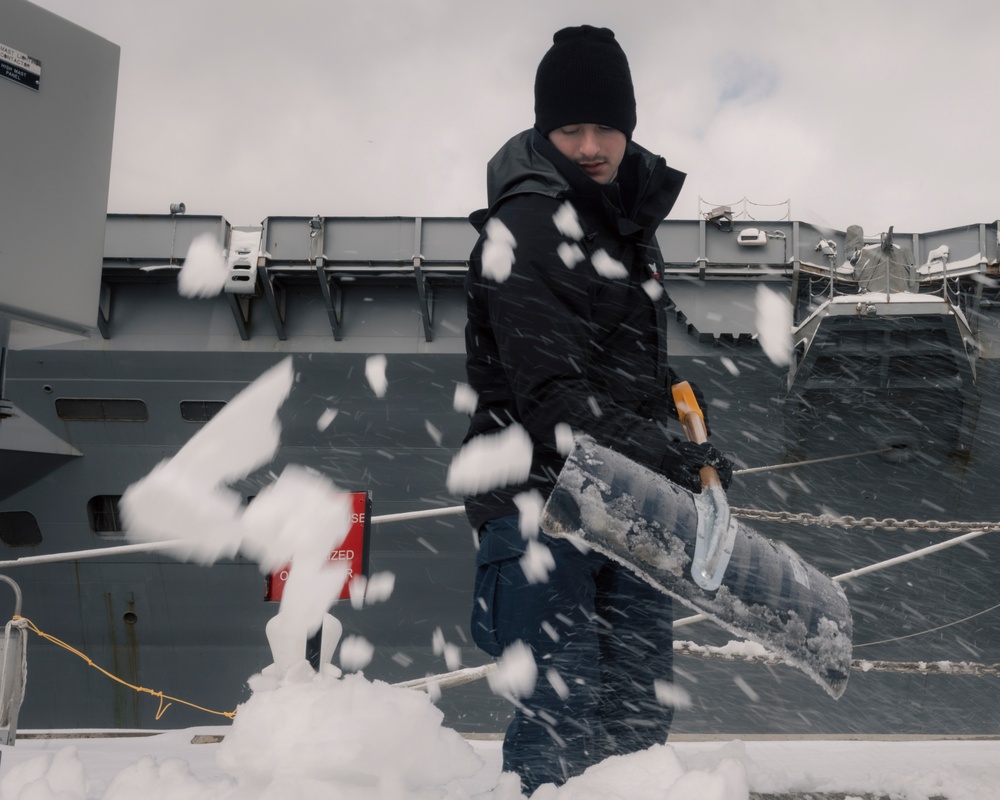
[121,769]
[654,774]
[308,736]
[317,736]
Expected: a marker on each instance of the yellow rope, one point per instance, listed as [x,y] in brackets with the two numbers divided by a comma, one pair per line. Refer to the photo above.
[160,695]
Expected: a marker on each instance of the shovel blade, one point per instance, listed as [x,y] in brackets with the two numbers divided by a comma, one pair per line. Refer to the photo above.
[768,594]
[715,538]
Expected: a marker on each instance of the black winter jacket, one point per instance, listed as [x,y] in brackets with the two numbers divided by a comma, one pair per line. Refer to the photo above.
[561,342]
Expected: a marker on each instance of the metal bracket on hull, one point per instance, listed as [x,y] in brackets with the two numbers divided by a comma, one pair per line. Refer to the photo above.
[274,293]
[425,295]
[241,306]
[333,298]
[104,311]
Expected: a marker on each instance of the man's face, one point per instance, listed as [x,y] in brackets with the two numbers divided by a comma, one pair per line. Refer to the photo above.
[596,149]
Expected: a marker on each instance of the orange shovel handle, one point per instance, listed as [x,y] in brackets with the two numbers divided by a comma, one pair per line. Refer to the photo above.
[693,421]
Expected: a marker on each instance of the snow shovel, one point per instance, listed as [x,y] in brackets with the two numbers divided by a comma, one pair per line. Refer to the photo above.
[716,530]
[606,502]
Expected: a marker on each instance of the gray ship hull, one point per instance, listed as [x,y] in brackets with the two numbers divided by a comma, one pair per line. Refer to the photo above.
[198,632]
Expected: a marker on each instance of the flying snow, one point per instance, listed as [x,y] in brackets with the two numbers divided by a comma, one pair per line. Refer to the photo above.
[571,254]
[747,689]
[491,461]
[433,431]
[466,399]
[564,438]
[375,374]
[516,672]
[537,562]
[379,587]
[297,520]
[567,222]
[185,499]
[670,694]
[355,653]
[498,251]
[529,507]
[557,682]
[204,272]
[608,267]
[774,325]
[653,288]
[452,652]
[328,416]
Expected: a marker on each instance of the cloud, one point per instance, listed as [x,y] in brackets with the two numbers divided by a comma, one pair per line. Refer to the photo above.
[744,78]
[871,113]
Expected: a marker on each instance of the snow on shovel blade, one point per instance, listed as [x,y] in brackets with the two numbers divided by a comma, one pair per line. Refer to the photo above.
[768,594]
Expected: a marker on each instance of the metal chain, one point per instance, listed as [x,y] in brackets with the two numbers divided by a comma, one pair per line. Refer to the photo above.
[867,523]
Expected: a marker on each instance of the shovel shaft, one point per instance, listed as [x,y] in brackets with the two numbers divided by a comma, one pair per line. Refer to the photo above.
[693,421]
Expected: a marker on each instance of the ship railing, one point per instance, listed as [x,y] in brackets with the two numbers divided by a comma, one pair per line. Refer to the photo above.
[12,685]
[431,254]
[167,546]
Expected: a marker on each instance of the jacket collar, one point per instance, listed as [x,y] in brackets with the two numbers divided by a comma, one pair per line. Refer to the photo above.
[530,164]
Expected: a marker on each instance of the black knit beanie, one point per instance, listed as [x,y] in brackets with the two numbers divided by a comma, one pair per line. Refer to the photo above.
[584,78]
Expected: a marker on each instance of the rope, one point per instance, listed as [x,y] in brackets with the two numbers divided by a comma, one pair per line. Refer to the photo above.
[931,630]
[140,689]
[810,461]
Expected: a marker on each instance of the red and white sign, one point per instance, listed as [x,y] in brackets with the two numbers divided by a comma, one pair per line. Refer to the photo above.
[353,550]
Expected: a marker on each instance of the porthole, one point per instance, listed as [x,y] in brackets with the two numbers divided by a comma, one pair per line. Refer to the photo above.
[103,514]
[101,409]
[19,529]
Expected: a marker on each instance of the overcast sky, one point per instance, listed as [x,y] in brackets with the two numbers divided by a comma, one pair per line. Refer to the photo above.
[870,112]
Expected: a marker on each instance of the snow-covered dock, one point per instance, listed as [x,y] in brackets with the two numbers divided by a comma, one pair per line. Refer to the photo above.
[114,765]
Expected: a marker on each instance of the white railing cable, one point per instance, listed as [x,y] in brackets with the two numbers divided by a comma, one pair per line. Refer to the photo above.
[152,547]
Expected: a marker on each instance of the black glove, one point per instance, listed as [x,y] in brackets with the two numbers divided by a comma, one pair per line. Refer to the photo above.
[683,460]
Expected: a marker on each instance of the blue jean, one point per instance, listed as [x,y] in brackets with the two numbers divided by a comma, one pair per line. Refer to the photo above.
[597,630]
